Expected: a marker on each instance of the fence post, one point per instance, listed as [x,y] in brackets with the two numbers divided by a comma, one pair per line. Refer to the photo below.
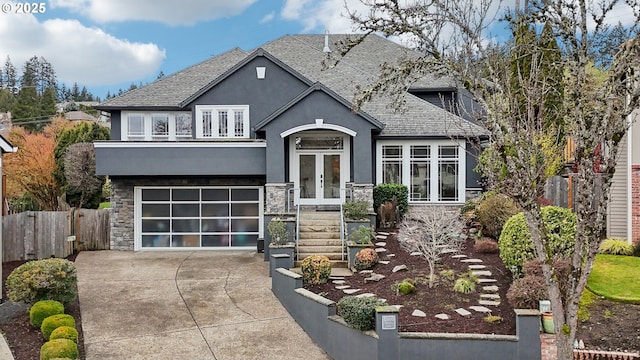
[387,330]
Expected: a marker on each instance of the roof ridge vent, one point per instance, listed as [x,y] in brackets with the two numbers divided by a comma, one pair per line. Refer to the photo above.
[326,42]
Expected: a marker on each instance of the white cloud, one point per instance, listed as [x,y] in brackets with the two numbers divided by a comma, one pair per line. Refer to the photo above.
[320,15]
[270,16]
[88,56]
[184,12]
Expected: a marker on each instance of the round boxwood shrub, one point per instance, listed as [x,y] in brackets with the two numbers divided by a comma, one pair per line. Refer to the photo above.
[365,259]
[47,279]
[492,213]
[359,312]
[55,321]
[43,309]
[65,332]
[516,245]
[406,287]
[316,269]
[59,348]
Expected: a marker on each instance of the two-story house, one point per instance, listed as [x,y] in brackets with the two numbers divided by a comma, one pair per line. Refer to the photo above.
[205,157]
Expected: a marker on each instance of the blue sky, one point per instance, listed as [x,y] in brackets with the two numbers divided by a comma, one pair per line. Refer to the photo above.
[108,44]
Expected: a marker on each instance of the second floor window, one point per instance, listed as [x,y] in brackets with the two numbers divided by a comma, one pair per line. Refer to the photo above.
[222,122]
[152,126]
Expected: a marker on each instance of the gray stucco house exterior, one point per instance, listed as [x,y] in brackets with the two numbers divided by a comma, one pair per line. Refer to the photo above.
[205,157]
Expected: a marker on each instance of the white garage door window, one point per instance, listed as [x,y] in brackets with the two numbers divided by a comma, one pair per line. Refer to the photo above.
[198,217]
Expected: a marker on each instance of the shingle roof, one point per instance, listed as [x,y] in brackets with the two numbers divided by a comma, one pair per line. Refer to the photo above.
[304,54]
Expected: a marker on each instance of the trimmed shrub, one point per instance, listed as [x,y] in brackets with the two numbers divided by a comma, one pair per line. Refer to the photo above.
[55,321]
[492,213]
[616,247]
[59,348]
[65,332]
[405,287]
[486,246]
[385,192]
[359,312]
[316,269]
[516,245]
[365,259]
[47,279]
[524,293]
[42,310]
[356,209]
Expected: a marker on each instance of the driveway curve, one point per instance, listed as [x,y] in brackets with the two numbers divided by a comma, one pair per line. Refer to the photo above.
[185,305]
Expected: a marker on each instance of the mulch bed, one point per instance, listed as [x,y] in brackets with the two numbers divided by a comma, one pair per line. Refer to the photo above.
[25,341]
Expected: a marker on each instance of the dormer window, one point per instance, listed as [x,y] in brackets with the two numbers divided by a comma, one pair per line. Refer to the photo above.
[222,122]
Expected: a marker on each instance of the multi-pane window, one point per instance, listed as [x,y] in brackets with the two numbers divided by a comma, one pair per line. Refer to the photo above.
[206,217]
[222,121]
[433,171]
[147,126]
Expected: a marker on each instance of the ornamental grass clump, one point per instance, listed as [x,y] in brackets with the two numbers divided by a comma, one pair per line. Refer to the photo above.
[55,321]
[316,269]
[47,279]
[59,349]
[465,284]
[359,312]
[42,310]
[365,259]
[616,247]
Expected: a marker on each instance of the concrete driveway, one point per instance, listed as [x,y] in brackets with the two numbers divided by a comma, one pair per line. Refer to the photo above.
[184,305]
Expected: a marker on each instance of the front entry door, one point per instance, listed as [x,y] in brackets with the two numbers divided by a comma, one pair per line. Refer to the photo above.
[319,177]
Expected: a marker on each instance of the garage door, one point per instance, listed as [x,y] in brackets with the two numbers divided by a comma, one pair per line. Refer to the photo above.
[198,217]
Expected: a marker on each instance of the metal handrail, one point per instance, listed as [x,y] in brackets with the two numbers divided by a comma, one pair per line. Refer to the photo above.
[342,219]
[297,231]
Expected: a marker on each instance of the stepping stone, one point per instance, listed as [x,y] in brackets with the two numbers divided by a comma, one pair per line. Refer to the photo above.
[449,251]
[366,295]
[332,277]
[477,267]
[383,262]
[490,288]
[383,233]
[381,243]
[391,255]
[338,282]
[351,291]
[486,281]
[459,256]
[381,237]
[481,273]
[374,277]
[471,261]
[480,309]
[379,250]
[399,268]
[416,253]
[463,312]
[366,271]
[489,296]
[342,287]
[489,303]
[418,313]
[442,316]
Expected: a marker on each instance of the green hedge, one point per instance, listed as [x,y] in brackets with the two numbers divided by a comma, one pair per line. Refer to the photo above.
[359,312]
[385,192]
[516,245]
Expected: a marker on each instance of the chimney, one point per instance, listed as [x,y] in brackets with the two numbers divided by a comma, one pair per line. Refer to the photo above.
[326,42]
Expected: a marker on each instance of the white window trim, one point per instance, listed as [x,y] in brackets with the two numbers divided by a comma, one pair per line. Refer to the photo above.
[433,170]
[231,111]
[148,126]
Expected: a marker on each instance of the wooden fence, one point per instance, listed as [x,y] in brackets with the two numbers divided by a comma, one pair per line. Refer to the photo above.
[42,234]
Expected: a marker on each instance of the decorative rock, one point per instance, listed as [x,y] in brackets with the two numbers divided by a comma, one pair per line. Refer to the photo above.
[374,277]
[366,295]
[449,251]
[399,268]
[489,296]
[462,312]
[490,288]
[383,262]
[485,281]
[477,267]
[379,250]
[471,261]
[366,271]
[442,316]
[332,277]
[480,309]
[342,287]
[459,256]
[481,273]
[381,243]
[416,253]
[391,255]
[418,313]
[338,282]
[351,291]
[489,303]
[383,233]
[381,237]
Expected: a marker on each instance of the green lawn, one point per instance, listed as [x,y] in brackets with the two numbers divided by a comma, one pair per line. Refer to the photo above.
[616,278]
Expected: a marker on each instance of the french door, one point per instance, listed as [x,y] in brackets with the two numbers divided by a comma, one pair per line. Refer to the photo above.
[319,177]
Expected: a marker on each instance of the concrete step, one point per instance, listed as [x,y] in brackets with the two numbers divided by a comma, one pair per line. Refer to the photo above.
[331,256]
[315,249]
[320,242]
[320,215]
[308,235]
[335,264]
[320,228]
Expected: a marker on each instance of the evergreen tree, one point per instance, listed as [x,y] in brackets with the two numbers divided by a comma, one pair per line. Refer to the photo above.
[10,76]
[26,110]
[48,102]
[75,92]
[7,99]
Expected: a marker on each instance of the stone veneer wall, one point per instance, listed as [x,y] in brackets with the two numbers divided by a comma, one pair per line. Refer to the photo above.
[122,218]
[361,192]
[635,203]
[276,197]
